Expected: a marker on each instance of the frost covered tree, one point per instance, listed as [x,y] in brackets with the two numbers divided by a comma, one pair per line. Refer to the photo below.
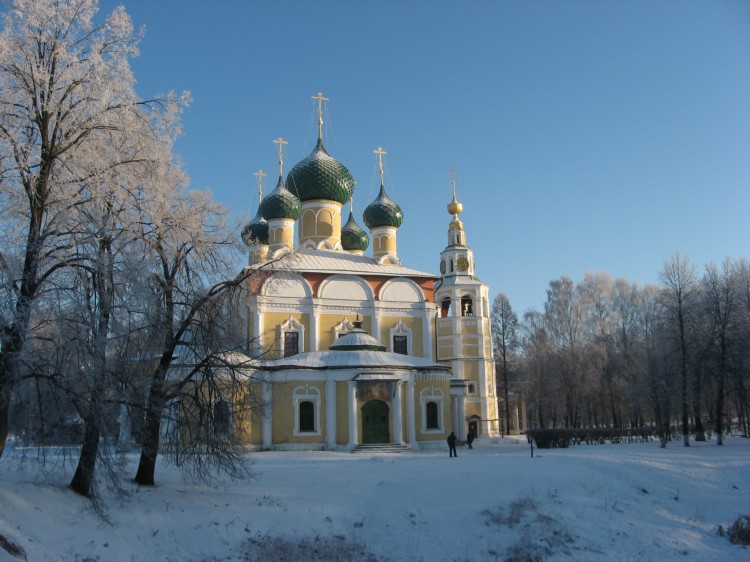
[65,87]
[506,344]
[679,290]
[190,253]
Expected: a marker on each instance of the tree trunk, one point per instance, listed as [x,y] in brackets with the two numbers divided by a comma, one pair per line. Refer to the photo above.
[152,429]
[84,475]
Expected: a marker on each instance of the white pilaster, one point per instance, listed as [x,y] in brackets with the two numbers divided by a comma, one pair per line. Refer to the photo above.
[331,414]
[314,325]
[410,421]
[461,434]
[255,344]
[267,419]
[428,326]
[353,422]
[398,432]
[376,322]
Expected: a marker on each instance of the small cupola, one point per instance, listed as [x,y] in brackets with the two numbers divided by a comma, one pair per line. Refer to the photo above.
[354,239]
[383,217]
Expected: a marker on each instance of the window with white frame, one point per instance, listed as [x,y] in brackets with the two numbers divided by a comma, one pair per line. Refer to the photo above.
[400,338]
[433,404]
[221,416]
[292,337]
[306,404]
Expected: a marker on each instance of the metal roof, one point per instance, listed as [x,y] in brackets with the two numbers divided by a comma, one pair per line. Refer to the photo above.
[354,359]
[329,261]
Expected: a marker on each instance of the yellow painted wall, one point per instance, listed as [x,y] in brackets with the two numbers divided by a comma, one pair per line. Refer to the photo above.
[326,322]
[418,414]
[387,323]
[283,413]
[271,323]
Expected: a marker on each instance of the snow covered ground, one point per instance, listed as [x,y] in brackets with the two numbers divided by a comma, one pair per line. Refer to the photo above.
[605,502]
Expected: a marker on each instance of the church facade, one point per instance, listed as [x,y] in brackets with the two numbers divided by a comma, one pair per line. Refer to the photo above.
[357,348]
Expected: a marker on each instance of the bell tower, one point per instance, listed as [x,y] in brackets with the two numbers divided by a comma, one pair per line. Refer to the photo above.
[464,339]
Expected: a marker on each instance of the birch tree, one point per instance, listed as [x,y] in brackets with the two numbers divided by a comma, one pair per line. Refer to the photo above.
[190,249]
[679,286]
[63,81]
[505,340]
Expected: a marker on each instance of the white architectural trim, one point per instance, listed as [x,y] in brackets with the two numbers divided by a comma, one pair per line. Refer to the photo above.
[432,394]
[400,329]
[331,414]
[342,328]
[291,325]
[301,394]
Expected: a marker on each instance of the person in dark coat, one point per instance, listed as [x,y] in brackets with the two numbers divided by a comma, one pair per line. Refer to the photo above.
[452,445]
[470,439]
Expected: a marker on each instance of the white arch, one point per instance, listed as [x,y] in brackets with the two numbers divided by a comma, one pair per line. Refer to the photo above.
[346,287]
[401,290]
[286,284]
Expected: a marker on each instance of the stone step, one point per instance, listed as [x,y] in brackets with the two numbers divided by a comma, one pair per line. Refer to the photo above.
[389,448]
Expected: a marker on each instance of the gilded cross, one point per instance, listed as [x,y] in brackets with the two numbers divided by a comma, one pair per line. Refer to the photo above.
[281,142]
[260,174]
[320,99]
[380,153]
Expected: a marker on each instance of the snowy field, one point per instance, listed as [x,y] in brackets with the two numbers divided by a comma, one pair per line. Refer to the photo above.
[606,502]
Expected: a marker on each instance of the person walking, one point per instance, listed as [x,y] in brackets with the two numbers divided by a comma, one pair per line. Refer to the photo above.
[452,445]
[470,439]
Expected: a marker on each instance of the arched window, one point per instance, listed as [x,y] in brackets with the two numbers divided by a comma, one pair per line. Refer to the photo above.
[221,416]
[306,416]
[467,306]
[432,415]
[470,388]
[445,308]
[306,403]
[431,400]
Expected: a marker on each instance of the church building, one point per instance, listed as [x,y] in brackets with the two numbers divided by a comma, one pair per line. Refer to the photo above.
[355,347]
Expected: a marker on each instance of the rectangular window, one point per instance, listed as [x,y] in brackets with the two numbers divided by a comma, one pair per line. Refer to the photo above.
[291,343]
[399,345]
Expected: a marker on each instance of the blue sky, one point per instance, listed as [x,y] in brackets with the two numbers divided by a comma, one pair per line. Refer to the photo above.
[586,135]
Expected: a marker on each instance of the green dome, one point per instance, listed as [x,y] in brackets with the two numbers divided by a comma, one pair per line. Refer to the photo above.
[383,212]
[353,237]
[280,204]
[319,176]
[256,231]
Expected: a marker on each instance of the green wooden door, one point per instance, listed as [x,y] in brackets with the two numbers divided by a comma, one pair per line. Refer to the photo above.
[375,422]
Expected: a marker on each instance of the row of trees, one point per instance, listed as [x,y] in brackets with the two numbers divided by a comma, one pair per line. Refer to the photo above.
[108,263]
[607,353]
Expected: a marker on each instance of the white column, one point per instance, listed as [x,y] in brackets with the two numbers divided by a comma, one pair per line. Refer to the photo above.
[331,414]
[454,414]
[410,417]
[255,344]
[353,422]
[516,407]
[376,323]
[461,434]
[267,420]
[428,327]
[398,431]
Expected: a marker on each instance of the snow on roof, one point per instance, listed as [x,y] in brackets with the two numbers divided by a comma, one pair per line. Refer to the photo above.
[459,280]
[329,261]
[331,359]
